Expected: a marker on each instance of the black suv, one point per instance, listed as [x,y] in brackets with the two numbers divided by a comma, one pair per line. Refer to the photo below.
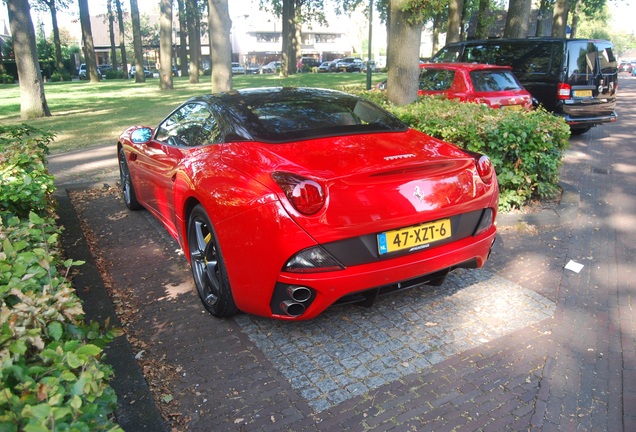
[574,78]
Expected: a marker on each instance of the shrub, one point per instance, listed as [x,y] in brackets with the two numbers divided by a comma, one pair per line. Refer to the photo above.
[25,184]
[114,74]
[7,79]
[51,374]
[526,148]
[60,76]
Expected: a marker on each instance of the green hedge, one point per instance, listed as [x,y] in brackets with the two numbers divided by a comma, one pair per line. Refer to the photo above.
[51,374]
[526,148]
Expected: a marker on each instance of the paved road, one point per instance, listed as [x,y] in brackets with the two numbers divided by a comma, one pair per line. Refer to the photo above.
[523,344]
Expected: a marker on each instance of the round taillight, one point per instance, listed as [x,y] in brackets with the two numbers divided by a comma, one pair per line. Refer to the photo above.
[306,195]
[485,169]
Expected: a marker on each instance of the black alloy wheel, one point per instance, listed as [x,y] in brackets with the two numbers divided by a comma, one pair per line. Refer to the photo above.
[208,267]
[127,189]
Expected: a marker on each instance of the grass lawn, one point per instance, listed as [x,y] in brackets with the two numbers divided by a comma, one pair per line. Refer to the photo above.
[86,115]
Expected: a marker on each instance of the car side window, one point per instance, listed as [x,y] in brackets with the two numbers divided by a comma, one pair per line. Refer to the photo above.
[188,126]
[436,79]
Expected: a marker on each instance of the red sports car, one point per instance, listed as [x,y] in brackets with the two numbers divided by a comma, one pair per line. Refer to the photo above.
[495,86]
[289,200]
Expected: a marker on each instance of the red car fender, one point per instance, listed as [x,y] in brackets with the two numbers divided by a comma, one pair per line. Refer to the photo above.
[222,197]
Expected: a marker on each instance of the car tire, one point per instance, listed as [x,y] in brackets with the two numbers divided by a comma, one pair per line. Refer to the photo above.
[208,266]
[127,188]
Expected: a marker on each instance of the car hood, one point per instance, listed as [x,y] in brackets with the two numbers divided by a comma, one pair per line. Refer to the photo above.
[373,181]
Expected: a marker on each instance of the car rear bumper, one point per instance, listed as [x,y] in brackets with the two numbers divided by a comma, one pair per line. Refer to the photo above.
[364,281]
[590,120]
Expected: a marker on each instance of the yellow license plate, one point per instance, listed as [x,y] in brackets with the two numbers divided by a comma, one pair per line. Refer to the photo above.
[415,237]
[583,93]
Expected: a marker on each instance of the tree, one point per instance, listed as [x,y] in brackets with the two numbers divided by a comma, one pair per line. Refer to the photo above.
[518,18]
[32,99]
[122,38]
[545,8]
[560,18]
[87,36]
[53,7]
[183,38]
[288,63]
[453,29]
[194,39]
[111,33]
[481,32]
[403,46]
[140,77]
[165,45]
[220,45]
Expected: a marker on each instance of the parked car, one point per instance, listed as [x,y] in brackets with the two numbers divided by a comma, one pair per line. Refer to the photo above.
[494,86]
[237,69]
[133,72]
[286,201]
[349,64]
[576,79]
[324,67]
[82,72]
[271,67]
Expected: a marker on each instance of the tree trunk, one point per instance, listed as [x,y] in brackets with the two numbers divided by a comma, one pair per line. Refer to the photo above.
[32,100]
[483,22]
[518,18]
[165,46]
[288,63]
[437,22]
[560,18]
[193,40]
[220,45]
[111,34]
[543,18]
[87,36]
[140,77]
[59,60]
[183,39]
[404,47]
[122,38]
[575,18]
[454,21]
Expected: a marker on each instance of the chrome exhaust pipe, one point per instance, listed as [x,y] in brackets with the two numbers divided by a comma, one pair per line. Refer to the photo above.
[292,308]
[299,293]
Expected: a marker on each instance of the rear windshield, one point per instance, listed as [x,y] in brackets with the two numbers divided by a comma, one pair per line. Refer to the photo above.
[587,59]
[494,81]
[287,116]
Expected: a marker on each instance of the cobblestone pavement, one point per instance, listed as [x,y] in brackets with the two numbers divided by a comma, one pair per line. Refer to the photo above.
[522,344]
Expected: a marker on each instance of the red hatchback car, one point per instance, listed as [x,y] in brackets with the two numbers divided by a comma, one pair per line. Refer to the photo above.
[495,86]
[287,201]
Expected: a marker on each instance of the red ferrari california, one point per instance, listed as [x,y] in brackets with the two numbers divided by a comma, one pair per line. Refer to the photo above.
[289,200]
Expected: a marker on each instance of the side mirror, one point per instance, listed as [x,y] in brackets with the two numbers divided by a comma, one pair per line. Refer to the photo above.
[141,135]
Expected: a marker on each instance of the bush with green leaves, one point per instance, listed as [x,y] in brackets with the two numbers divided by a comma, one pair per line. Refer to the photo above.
[58,76]
[526,147]
[52,377]
[25,184]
